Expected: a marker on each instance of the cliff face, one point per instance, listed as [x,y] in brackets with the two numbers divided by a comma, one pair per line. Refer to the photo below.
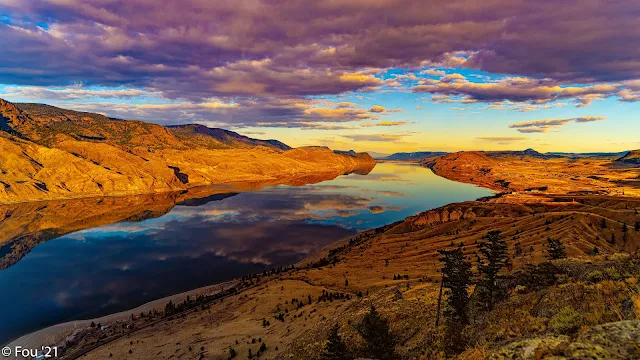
[50,153]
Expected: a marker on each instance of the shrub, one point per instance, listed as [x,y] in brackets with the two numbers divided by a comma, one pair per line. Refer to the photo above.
[567,321]
[595,276]
[613,273]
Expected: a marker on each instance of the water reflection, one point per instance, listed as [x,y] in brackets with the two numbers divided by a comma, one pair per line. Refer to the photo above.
[85,258]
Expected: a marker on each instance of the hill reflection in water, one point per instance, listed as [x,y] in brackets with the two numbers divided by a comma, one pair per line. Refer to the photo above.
[85,258]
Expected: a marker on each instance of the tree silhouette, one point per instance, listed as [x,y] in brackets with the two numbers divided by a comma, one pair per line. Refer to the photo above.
[334,349]
[494,258]
[637,226]
[379,342]
[556,249]
[456,279]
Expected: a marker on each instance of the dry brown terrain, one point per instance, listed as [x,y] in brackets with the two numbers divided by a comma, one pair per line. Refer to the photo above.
[50,153]
[536,173]
[363,269]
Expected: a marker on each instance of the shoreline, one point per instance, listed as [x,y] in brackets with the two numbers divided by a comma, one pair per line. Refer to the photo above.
[55,333]
[230,185]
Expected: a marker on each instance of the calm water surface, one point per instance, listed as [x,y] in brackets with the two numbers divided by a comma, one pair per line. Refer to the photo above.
[106,269]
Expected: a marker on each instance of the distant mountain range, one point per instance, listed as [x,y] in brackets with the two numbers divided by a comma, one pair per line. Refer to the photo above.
[420,155]
[412,156]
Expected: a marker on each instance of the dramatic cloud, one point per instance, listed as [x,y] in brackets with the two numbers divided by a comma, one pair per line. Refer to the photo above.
[242,112]
[198,50]
[536,91]
[543,126]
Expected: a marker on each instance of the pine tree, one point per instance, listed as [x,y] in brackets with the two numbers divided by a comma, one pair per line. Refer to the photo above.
[556,249]
[495,257]
[456,279]
[517,250]
[637,226]
[604,223]
[625,230]
[379,342]
[334,349]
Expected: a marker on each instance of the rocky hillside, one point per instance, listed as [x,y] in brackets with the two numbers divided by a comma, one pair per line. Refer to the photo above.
[528,171]
[632,157]
[214,138]
[51,153]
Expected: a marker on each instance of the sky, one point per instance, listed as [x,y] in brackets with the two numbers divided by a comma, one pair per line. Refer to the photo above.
[369,75]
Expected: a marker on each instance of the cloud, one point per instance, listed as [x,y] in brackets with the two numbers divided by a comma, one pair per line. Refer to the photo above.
[512,89]
[432,72]
[377,109]
[296,49]
[72,93]
[543,126]
[385,123]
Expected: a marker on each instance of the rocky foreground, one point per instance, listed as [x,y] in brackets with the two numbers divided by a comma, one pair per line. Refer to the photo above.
[51,153]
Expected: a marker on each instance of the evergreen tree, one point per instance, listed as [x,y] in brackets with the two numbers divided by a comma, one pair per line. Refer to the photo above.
[517,250]
[556,249]
[379,342]
[603,224]
[334,349]
[456,279]
[495,257]
[625,230]
[637,226]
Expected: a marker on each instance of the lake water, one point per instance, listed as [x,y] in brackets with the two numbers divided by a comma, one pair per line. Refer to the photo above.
[59,265]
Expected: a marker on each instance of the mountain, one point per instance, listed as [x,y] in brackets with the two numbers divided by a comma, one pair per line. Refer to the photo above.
[52,153]
[377,155]
[522,153]
[519,172]
[631,157]
[215,138]
[590,154]
[411,156]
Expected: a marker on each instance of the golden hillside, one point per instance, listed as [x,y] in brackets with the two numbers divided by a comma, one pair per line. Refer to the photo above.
[51,153]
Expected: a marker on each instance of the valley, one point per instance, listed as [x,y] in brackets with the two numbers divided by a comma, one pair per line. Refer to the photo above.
[396,268]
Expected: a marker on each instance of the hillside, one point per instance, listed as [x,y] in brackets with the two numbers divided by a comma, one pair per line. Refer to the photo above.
[396,268]
[531,172]
[51,153]
[632,157]
[214,138]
